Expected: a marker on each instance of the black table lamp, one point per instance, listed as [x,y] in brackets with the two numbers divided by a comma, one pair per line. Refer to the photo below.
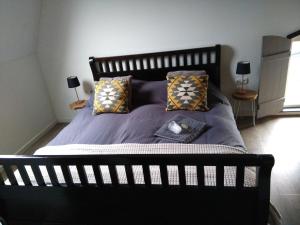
[243,68]
[73,82]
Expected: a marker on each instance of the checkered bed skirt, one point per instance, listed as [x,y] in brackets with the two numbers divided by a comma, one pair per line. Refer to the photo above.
[119,149]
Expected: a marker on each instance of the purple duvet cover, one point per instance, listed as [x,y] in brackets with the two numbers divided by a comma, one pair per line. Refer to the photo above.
[140,124]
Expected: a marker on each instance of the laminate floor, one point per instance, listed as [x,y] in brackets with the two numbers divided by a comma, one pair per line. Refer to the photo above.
[278,136]
[46,138]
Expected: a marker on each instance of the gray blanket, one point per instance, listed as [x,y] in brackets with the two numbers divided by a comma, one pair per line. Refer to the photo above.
[143,121]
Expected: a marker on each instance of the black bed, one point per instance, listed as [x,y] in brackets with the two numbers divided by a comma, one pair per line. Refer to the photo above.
[146,203]
[148,113]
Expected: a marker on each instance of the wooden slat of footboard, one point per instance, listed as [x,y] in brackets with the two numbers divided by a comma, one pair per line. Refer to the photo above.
[67,175]
[113,175]
[98,175]
[181,173]
[147,176]
[38,175]
[82,175]
[1,180]
[10,174]
[240,173]
[220,176]
[52,175]
[129,175]
[200,175]
[1,177]
[164,175]
[24,175]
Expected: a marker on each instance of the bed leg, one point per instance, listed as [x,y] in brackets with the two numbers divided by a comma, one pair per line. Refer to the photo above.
[263,177]
[2,213]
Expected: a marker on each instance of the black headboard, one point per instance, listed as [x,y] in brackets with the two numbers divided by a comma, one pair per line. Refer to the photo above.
[155,66]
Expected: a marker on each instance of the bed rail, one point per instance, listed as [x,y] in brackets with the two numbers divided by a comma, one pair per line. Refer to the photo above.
[44,197]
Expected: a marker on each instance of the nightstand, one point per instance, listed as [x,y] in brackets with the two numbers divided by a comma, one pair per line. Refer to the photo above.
[248,95]
[78,104]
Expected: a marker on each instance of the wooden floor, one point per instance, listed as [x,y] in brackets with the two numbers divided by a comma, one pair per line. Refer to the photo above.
[277,136]
[280,137]
[45,139]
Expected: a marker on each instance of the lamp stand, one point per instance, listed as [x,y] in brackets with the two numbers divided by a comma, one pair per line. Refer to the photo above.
[77,94]
[242,90]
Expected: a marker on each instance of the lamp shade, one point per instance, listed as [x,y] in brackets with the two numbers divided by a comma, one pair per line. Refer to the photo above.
[243,67]
[73,82]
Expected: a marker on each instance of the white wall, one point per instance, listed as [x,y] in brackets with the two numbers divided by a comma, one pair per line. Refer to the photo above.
[25,109]
[19,20]
[73,30]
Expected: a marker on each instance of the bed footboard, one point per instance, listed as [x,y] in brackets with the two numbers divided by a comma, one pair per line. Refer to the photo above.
[50,192]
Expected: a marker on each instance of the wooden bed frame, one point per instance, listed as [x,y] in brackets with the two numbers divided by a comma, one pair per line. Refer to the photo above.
[132,203]
[155,66]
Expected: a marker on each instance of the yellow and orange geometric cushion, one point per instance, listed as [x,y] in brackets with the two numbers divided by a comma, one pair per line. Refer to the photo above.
[111,96]
[187,92]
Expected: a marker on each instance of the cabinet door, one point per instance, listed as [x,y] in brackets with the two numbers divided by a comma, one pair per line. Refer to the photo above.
[274,68]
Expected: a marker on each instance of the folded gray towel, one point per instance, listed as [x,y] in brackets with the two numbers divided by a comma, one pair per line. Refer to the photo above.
[195,128]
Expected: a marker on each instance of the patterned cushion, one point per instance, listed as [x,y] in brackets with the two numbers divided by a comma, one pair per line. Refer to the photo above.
[187,92]
[129,79]
[111,96]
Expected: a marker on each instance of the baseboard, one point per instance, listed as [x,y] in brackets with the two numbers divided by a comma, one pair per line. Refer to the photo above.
[25,147]
[291,112]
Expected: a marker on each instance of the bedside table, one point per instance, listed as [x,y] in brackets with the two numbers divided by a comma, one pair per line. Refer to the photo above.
[78,104]
[249,96]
